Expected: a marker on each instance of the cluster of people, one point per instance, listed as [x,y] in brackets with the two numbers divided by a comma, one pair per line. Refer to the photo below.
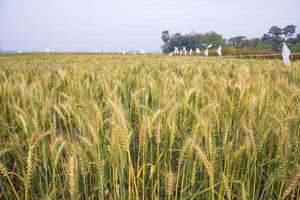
[285,52]
[184,51]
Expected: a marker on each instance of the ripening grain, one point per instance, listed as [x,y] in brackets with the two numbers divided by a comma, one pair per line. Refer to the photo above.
[148,127]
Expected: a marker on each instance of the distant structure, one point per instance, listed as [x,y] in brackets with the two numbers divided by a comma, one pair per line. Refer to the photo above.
[0,47]
[47,50]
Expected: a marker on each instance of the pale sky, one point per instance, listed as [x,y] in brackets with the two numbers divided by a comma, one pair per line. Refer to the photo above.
[85,25]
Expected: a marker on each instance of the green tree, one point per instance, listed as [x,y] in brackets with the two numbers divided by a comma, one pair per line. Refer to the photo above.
[289,31]
[275,31]
[296,47]
[235,41]
[274,38]
[191,40]
[165,36]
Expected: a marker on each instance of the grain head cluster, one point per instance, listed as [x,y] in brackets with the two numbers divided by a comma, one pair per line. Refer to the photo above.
[76,126]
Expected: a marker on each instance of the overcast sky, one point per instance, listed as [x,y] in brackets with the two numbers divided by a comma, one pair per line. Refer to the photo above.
[84,25]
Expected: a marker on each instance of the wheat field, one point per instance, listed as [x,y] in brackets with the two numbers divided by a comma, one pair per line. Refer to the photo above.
[79,126]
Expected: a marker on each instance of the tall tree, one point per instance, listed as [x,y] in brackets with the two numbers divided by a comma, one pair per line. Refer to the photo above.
[234,41]
[165,36]
[273,38]
[190,41]
[289,31]
[275,31]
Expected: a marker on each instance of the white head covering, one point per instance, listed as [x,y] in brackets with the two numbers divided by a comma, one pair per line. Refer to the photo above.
[184,50]
[286,54]
[176,51]
[219,51]
[206,50]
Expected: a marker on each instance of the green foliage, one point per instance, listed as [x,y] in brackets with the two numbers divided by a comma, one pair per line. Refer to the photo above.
[234,41]
[192,40]
[165,36]
[289,31]
[296,47]
[271,41]
[275,31]
[276,36]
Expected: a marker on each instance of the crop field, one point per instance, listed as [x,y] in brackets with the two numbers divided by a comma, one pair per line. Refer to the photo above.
[92,126]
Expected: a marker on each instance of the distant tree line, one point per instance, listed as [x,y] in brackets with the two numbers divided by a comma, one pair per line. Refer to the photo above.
[271,41]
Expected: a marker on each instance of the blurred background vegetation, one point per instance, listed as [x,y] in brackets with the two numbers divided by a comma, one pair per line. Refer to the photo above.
[270,42]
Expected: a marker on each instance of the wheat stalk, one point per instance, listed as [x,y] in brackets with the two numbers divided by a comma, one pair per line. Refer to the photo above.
[72,177]
[35,138]
[157,133]
[293,182]
[169,182]
[143,133]
[193,176]
[3,170]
